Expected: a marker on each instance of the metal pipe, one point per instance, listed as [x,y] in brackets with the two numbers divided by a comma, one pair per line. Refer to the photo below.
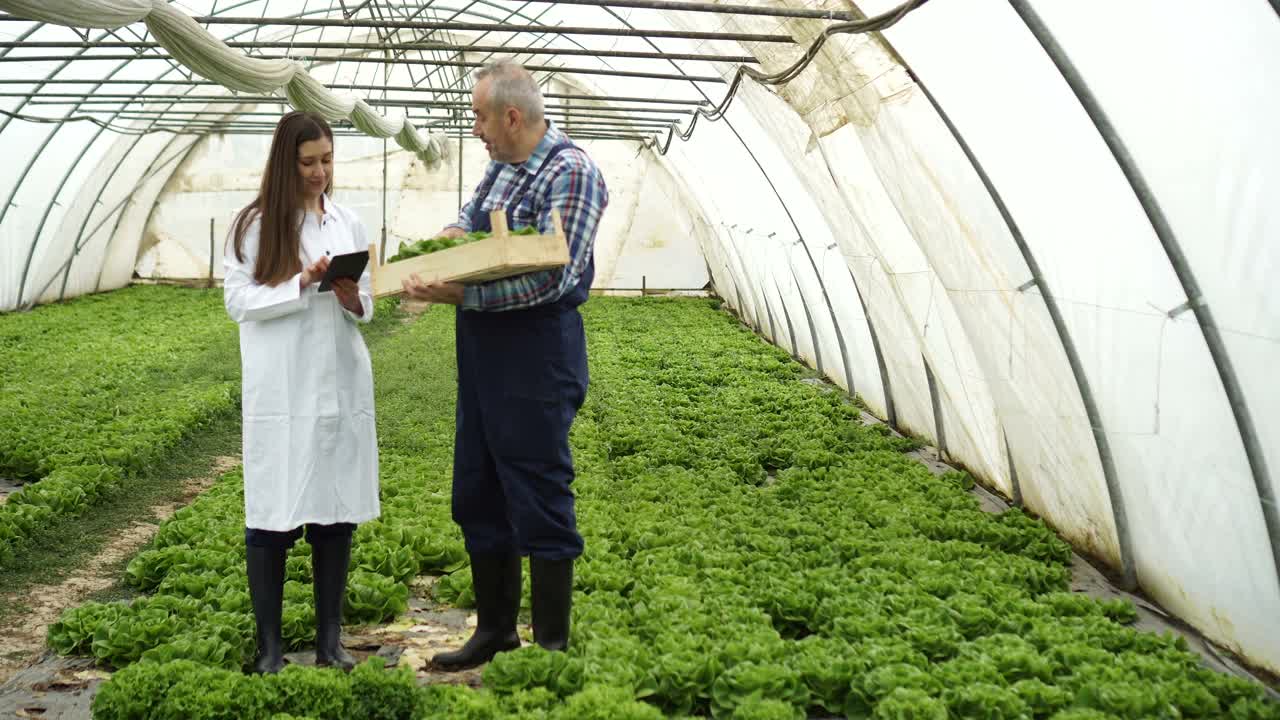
[98,107]
[745,276]
[212,245]
[773,326]
[253,131]
[196,114]
[590,126]
[939,429]
[491,27]
[356,9]
[386,61]
[459,80]
[404,47]
[436,123]
[835,324]
[460,146]
[768,307]
[256,23]
[808,316]
[726,9]
[891,414]
[444,126]
[711,278]
[1182,268]
[101,98]
[791,331]
[646,289]
[1013,471]
[382,252]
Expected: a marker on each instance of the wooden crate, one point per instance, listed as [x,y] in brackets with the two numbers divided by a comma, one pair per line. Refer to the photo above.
[499,256]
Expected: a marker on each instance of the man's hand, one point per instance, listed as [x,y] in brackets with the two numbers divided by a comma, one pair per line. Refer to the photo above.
[348,293]
[452,233]
[443,293]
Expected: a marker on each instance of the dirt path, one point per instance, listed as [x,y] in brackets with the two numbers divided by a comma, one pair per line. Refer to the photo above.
[22,635]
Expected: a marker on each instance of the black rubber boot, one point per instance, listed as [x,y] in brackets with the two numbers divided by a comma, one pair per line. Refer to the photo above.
[496,580]
[266,568]
[330,557]
[551,593]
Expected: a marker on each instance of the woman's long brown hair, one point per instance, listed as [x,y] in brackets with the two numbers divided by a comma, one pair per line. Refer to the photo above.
[279,200]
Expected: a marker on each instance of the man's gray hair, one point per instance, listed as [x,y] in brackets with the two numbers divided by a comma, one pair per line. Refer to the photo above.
[511,85]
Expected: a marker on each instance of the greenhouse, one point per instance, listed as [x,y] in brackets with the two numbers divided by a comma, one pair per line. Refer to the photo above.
[639,358]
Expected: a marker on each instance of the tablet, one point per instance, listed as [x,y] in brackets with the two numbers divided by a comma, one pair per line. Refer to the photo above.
[350,265]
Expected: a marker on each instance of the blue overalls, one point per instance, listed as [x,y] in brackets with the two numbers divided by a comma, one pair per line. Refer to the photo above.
[522,377]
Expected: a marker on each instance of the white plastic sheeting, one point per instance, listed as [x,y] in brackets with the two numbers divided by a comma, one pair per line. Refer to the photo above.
[644,239]
[841,206]
[1199,541]
[945,282]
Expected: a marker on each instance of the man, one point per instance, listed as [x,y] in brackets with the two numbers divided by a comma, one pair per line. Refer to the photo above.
[522,371]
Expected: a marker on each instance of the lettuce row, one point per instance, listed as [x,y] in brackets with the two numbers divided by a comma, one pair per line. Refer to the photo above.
[752,551]
[100,388]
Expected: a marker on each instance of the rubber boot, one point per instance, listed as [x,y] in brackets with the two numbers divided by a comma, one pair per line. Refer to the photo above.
[496,581]
[266,568]
[551,590]
[330,557]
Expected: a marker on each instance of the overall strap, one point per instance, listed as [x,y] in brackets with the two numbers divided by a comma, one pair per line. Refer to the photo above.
[528,181]
[490,177]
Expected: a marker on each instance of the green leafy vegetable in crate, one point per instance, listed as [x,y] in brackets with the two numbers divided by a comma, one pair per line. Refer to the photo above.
[426,247]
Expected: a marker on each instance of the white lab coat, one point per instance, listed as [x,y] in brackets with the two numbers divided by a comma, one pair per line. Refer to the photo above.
[310,443]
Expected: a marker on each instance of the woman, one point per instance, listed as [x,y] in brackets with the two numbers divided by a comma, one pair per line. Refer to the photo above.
[310,447]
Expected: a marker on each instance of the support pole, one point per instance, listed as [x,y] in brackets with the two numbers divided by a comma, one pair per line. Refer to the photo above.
[486,28]
[382,253]
[1013,472]
[890,412]
[211,246]
[460,173]
[939,428]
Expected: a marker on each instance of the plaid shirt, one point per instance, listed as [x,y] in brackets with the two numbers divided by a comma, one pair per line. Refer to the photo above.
[572,184]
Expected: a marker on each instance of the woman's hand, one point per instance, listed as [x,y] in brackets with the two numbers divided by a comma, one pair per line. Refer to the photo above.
[314,272]
[348,293]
